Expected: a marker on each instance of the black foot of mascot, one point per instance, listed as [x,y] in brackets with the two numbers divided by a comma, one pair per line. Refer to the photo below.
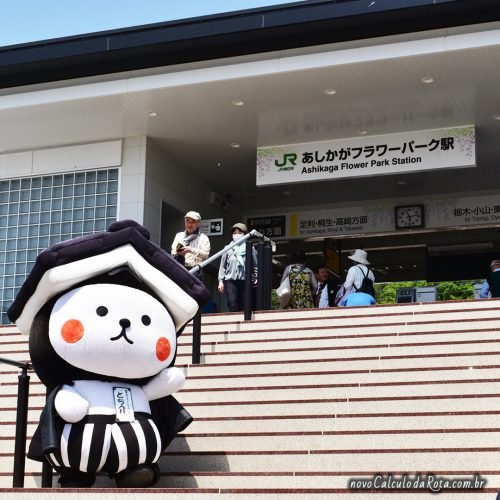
[103,313]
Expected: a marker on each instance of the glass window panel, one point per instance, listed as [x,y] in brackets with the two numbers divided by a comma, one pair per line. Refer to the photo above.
[46,181]
[88,226]
[13,208]
[55,229]
[9,280]
[9,270]
[57,192]
[25,183]
[19,280]
[89,213]
[112,199]
[25,195]
[4,208]
[77,227]
[46,193]
[44,229]
[11,245]
[69,179]
[32,254]
[102,175]
[102,187]
[13,196]
[67,215]
[113,174]
[57,204]
[45,205]
[15,184]
[34,218]
[35,206]
[90,176]
[100,200]
[22,231]
[78,202]
[24,207]
[54,239]
[55,216]
[43,242]
[3,235]
[12,232]
[57,180]
[100,225]
[3,221]
[35,194]
[90,201]
[66,227]
[24,219]
[21,256]
[22,243]
[45,217]
[67,203]
[13,219]
[113,187]
[78,214]
[79,178]
[79,190]
[4,197]
[4,186]
[100,212]
[110,221]
[33,230]
[68,191]
[89,189]
[36,182]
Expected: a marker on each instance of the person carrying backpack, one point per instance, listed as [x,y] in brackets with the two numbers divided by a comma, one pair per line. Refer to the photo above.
[360,278]
[303,283]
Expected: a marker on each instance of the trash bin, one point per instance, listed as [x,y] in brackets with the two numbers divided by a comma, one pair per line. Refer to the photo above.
[426,294]
[405,294]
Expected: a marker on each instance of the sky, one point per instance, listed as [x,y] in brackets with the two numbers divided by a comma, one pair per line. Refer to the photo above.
[24,21]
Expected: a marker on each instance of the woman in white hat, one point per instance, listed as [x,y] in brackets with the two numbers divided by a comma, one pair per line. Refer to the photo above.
[232,270]
[356,274]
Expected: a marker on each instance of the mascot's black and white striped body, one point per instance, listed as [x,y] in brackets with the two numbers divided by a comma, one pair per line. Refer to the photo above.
[105,346]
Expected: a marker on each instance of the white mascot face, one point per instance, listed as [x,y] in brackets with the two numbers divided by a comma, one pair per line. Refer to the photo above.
[113,330]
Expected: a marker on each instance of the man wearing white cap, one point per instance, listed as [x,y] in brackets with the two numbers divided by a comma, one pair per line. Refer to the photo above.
[357,273]
[190,247]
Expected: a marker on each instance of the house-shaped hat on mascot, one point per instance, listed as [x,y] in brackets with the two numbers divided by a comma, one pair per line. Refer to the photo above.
[125,244]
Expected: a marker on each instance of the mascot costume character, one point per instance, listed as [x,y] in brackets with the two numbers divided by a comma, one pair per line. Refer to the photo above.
[103,313]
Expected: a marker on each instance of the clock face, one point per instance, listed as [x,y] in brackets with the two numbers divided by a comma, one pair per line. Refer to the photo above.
[410,216]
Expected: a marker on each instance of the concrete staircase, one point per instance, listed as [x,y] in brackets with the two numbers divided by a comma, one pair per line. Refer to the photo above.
[296,403]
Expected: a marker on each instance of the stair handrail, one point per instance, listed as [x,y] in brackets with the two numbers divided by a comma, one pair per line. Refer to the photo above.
[21,420]
[268,247]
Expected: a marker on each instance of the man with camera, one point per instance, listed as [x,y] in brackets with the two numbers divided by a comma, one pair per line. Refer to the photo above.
[191,247]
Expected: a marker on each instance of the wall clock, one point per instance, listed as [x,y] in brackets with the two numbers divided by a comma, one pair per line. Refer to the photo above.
[409,216]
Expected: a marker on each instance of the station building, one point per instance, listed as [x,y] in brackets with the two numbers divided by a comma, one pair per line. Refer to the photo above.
[327,125]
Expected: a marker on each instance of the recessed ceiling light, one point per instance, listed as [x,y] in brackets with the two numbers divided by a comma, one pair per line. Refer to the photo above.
[496,117]
[330,91]
[152,114]
[362,132]
[286,192]
[234,145]
[237,102]
[401,183]
[427,79]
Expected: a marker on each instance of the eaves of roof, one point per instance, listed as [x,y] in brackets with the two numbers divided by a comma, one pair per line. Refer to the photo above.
[294,25]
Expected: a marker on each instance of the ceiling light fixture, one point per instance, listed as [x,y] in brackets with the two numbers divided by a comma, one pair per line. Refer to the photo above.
[330,91]
[427,79]
[362,132]
[237,102]
[152,114]
[234,145]
[496,117]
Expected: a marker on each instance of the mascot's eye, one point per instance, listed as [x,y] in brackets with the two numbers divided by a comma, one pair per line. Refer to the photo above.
[146,320]
[101,311]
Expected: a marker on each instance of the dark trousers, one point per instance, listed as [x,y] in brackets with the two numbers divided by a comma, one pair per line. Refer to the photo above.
[235,294]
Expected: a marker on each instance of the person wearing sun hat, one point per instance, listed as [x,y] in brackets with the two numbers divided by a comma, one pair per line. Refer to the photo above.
[356,274]
[232,270]
[191,247]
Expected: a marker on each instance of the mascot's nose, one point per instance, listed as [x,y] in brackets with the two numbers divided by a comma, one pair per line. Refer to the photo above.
[124,323]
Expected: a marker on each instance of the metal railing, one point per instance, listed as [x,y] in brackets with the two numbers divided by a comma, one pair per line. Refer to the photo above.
[21,421]
[265,249]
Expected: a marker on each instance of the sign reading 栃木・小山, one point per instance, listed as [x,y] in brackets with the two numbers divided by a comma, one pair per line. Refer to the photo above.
[367,156]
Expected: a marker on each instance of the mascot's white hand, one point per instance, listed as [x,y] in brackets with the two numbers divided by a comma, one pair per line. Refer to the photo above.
[70,406]
[167,382]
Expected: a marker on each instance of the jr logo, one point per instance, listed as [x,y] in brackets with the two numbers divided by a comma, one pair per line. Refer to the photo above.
[287,158]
